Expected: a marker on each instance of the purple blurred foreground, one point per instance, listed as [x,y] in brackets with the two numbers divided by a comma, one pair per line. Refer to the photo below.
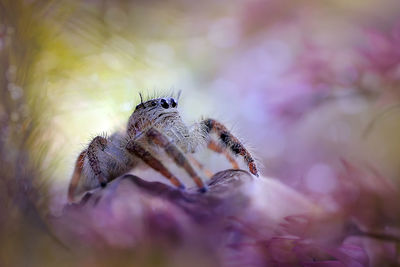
[241,221]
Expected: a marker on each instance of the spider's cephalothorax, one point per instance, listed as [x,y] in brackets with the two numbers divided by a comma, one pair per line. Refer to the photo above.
[154,123]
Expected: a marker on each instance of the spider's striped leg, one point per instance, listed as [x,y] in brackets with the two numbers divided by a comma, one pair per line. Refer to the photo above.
[231,142]
[76,176]
[170,148]
[136,149]
[219,149]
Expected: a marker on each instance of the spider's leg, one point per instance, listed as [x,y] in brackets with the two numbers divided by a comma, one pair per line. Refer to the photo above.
[219,149]
[98,143]
[231,142]
[172,151]
[200,166]
[76,176]
[136,149]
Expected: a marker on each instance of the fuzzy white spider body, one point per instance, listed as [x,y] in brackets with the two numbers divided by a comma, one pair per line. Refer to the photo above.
[154,124]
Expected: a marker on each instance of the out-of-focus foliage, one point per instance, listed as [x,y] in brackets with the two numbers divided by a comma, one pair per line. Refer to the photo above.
[312,85]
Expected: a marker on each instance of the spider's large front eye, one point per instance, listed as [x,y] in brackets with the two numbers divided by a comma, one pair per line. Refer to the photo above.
[164,103]
[153,103]
[173,103]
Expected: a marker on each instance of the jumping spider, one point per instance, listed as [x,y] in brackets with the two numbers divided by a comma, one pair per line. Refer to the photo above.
[154,123]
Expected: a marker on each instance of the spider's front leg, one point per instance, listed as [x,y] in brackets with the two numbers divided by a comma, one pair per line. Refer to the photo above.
[173,151]
[76,176]
[229,141]
[136,149]
[98,143]
[91,156]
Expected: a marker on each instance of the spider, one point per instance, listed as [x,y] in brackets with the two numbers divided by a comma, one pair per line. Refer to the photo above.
[155,123]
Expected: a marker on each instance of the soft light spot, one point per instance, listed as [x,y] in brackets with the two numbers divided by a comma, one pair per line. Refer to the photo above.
[223,33]
[329,203]
[321,179]
[127,106]
[11,73]
[16,92]
[161,51]
[113,62]
[94,77]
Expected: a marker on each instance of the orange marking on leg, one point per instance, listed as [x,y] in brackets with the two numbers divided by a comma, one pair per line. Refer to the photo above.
[154,163]
[217,148]
[161,140]
[230,141]
[195,162]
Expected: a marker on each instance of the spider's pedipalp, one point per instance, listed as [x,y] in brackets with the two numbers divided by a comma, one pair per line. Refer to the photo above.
[231,142]
[136,149]
[172,151]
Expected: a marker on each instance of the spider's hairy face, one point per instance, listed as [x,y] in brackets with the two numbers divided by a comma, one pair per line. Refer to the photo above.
[156,111]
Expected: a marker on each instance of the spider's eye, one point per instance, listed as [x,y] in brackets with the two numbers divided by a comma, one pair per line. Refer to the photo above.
[164,103]
[173,103]
[154,103]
